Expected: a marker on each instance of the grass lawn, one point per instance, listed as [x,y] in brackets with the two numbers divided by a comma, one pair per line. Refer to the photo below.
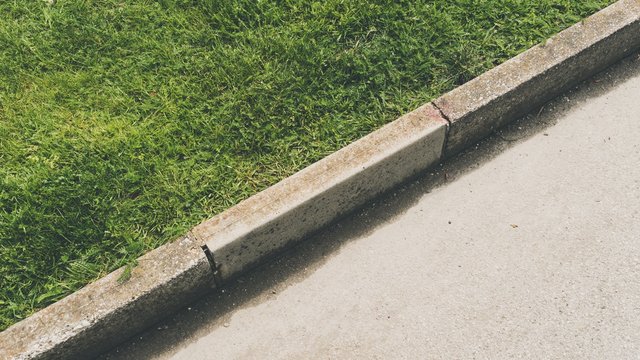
[125,122]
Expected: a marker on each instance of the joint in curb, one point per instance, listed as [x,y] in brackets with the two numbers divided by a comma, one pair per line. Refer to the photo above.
[446,131]
[215,269]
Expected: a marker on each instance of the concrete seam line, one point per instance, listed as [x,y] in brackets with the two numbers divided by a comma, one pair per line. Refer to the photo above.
[527,81]
[446,138]
[215,268]
[106,311]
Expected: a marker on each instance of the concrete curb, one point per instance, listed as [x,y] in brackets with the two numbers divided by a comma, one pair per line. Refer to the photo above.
[107,312]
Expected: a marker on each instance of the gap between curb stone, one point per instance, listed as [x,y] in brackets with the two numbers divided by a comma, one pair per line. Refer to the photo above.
[215,269]
[447,131]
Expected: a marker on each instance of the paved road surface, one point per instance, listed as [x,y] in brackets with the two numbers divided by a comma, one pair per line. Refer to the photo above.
[527,246]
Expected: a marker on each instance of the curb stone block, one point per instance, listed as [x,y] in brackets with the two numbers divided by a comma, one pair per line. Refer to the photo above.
[529,80]
[322,192]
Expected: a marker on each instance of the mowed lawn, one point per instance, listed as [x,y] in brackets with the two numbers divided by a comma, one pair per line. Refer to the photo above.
[125,122]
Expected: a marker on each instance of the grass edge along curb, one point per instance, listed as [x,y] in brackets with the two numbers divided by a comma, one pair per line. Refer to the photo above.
[107,312]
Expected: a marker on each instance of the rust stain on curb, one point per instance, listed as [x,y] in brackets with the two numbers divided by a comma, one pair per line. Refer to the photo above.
[106,312]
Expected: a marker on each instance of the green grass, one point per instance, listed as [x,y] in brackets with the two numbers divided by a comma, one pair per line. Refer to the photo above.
[123,123]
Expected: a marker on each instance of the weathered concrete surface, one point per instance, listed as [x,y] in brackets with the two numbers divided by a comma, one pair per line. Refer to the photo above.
[256,228]
[529,80]
[525,247]
[106,312]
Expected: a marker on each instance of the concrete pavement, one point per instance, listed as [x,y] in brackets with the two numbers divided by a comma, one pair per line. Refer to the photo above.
[533,251]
